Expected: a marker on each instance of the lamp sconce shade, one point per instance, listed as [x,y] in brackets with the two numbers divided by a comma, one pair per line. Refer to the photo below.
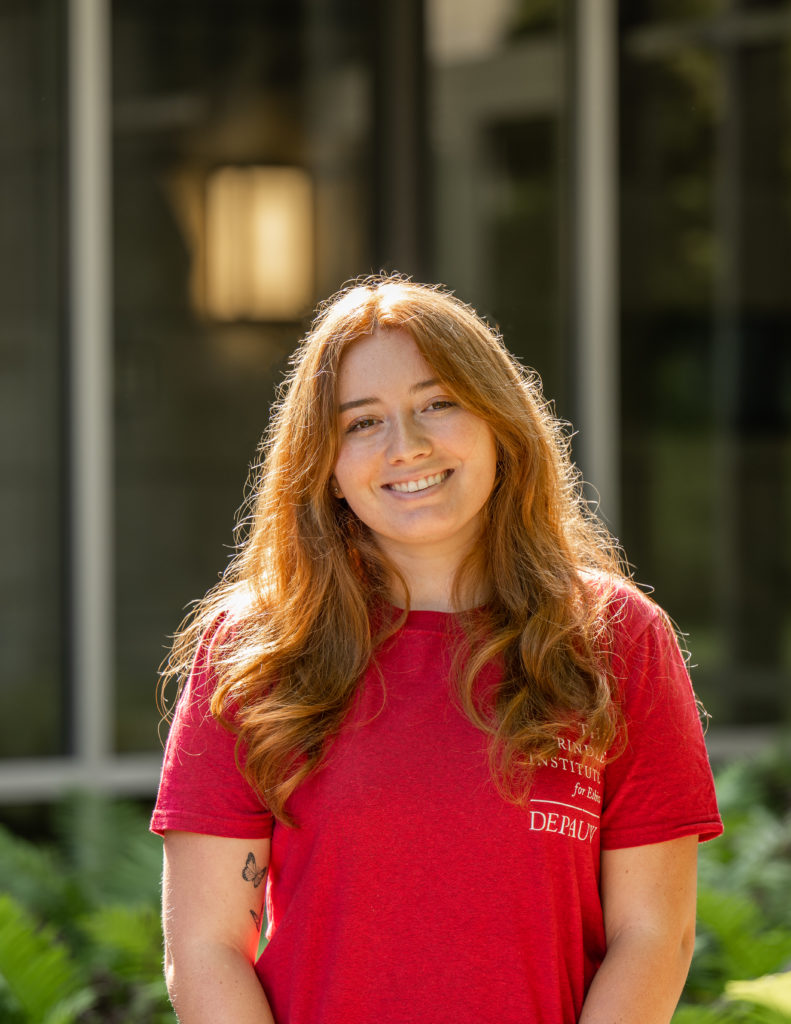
[258,243]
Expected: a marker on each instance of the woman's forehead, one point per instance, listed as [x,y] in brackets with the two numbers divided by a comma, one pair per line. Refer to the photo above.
[380,356]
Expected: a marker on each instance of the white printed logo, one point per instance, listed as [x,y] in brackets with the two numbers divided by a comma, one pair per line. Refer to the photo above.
[568,815]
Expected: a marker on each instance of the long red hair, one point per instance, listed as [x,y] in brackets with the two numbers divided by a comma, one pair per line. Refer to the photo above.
[296,601]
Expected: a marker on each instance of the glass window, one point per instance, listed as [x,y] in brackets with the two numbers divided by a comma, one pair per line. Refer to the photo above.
[706,247]
[242,139]
[32,436]
[496,128]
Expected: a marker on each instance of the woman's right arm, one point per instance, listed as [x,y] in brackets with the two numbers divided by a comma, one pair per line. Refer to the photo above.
[212,900]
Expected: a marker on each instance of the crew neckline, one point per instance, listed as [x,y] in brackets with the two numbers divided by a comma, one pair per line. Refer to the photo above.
[430,619]
[425,618]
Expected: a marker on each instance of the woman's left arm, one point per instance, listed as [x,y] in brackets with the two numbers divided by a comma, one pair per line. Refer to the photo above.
[648,897]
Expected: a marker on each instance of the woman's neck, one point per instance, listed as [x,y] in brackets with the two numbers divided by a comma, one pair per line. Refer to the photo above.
[431,588]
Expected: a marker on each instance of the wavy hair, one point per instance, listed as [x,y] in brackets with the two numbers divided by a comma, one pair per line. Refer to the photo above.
[297,604]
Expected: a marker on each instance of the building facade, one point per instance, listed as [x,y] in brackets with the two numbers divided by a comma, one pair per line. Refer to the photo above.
[181,182]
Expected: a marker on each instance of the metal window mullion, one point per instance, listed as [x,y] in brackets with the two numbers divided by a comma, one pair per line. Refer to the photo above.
[91,381]
[597,383]
[31,779]
[401,168]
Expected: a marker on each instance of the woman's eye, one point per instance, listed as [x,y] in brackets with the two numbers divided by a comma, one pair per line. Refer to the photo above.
[362,424]
[441,403]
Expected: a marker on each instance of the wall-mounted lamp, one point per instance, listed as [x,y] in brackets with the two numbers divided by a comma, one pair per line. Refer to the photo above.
[258,243]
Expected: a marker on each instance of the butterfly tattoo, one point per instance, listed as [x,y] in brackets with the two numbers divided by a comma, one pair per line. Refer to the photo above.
[251,872]
[258,919]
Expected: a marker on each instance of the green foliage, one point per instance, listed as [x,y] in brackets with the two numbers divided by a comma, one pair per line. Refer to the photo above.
[80,937]
[735,940]
[125,940]
[744,910]
[33,875]
[108,844]
[42,980]
[723,1012]
[772,992]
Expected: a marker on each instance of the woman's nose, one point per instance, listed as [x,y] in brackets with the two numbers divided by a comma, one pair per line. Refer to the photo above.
[407,440]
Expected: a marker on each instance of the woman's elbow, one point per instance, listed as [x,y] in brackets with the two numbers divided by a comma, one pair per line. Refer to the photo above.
[170,971]
[687,944]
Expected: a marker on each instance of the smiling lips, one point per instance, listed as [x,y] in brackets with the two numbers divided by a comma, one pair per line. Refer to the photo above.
[421,484]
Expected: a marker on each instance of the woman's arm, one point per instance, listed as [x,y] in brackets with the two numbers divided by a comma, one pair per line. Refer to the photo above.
[212,900]
[648,896]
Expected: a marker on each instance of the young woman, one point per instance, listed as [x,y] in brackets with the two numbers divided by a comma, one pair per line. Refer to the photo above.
[426,712]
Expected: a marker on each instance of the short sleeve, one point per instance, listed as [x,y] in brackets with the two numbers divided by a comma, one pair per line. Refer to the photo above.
[660,787]
[201,788]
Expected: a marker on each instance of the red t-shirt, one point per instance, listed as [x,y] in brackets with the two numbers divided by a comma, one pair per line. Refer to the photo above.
[411,892]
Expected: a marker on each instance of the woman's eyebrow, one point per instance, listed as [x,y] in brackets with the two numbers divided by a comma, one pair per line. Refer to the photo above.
[356,402]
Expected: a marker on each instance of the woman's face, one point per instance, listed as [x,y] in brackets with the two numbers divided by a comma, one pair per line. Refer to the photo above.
[413,465]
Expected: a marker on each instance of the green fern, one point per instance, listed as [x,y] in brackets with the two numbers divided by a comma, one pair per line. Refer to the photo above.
[753,859]
[744,945]
[125,940]
[38,880]
[39,973]
[114,857]
[744,915]
[99,961]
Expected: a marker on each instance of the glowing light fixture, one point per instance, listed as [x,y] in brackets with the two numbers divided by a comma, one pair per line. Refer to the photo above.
[258,243]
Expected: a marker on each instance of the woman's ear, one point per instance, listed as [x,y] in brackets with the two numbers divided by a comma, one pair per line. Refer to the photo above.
[335,488]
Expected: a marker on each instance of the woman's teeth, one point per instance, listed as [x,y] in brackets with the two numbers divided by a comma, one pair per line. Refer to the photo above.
[421,484]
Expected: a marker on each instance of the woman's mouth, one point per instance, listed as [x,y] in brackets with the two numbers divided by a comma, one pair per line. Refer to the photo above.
[421,484]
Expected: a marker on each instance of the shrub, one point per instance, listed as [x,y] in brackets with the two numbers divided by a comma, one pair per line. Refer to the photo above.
[744,909]
[80,938]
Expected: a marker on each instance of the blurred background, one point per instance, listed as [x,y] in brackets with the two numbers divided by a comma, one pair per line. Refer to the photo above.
[180,182]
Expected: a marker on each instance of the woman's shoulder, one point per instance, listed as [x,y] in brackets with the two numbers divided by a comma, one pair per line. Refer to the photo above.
[626,610]
[641,641]
[216,636]
[231,625]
